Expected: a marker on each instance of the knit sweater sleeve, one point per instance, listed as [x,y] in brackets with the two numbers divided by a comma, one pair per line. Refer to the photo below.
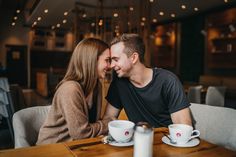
[75,111]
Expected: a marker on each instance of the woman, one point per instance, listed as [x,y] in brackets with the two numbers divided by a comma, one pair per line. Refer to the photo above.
[76,105]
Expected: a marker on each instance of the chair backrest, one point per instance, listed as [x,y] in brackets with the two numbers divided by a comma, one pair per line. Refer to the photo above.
[26,125]
[17,96]
[216,124]
[194,94]
[215,95]
[6,104]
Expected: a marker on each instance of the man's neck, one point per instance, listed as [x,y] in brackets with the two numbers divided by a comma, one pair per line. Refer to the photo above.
[141,75]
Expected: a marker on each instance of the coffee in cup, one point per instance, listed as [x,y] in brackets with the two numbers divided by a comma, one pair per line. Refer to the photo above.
[182,133]
[121,130]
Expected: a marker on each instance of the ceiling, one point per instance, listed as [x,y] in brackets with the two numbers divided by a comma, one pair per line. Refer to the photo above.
[12,4]
[93,9]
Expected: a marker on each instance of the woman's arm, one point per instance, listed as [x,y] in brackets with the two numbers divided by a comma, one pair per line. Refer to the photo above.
[75,110]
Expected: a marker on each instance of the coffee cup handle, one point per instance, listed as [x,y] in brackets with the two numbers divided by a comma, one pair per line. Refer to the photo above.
[197,134]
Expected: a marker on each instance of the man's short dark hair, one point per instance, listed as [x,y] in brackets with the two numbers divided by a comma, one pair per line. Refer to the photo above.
[132,43]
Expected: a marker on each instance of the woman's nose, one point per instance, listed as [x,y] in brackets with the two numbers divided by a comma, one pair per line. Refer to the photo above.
[108,66]
[112,64]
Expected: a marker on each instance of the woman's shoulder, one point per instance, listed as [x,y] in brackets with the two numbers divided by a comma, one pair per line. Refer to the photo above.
[69,86]
[70,83]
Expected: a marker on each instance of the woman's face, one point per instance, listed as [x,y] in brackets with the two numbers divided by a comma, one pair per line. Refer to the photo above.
[103,63]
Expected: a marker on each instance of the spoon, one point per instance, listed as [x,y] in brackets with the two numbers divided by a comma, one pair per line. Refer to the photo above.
[171,140]
[108,139]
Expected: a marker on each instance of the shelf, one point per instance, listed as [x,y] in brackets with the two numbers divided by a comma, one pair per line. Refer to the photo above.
[41,50]
[224,52]
[221,26]
[221,40]
[222,18]
[164,46]
[224,39]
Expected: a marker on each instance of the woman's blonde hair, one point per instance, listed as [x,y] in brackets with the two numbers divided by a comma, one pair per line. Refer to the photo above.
[83,64]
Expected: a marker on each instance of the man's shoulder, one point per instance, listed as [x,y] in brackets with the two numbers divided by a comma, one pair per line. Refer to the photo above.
[163,73]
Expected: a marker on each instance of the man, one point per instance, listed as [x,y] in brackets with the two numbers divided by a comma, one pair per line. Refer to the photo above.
[152,95]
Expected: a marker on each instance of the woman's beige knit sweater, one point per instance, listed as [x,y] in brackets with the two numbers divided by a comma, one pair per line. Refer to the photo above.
[68,118]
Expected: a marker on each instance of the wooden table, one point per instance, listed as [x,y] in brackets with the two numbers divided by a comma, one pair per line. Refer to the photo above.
[52,150]
[93,147]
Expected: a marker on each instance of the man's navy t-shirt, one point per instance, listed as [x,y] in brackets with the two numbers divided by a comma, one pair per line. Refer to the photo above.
[153,103]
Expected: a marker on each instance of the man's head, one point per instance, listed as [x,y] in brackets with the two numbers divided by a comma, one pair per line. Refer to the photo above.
[132,43]
[126,51]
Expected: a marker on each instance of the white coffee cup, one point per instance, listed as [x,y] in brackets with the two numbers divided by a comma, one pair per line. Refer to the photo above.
[182,133]
[121,130]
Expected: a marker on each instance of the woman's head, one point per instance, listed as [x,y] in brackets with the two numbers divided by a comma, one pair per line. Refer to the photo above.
[85,63]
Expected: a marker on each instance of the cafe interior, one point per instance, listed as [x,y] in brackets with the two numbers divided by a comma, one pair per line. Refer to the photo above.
[196,40]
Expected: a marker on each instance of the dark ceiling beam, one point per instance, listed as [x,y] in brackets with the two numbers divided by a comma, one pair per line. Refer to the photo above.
[104,7]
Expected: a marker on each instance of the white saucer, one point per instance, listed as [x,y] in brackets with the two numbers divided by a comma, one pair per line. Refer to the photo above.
[192,143]
[118,144]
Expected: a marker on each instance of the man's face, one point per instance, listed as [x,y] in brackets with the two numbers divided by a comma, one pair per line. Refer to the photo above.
[103,63]
[120,62]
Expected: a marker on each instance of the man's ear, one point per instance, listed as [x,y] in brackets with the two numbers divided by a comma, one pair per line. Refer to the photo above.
[135,57]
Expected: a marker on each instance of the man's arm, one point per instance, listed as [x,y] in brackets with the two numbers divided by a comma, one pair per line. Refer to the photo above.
[182,117]
[111,112]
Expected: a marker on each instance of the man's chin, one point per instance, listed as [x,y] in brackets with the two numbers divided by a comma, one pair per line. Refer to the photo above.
[119,75]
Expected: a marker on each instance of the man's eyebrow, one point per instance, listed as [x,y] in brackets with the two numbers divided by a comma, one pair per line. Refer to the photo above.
[114,57]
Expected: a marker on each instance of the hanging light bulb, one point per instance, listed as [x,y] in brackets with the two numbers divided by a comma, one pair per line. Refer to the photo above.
[100,23]
[231,28]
